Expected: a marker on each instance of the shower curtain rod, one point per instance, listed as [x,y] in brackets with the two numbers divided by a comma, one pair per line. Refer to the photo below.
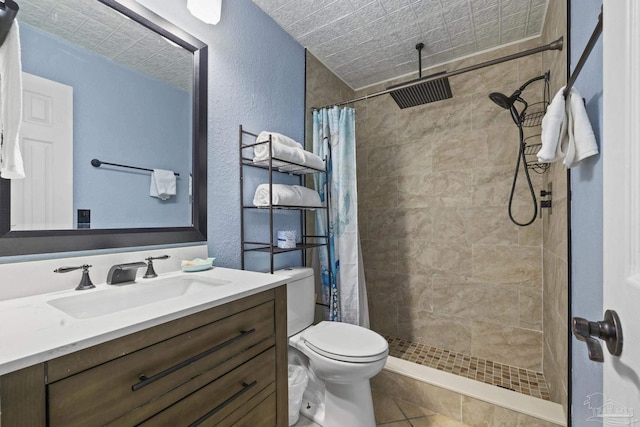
[585,55]
[556,45]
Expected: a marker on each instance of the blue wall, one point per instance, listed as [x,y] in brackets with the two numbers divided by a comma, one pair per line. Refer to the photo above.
[586,212]
[116,116]
[256,78]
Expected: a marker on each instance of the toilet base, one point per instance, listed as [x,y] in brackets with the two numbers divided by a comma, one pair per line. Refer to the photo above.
[342,405]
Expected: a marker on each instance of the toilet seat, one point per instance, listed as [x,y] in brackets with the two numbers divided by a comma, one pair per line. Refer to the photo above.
[345,342]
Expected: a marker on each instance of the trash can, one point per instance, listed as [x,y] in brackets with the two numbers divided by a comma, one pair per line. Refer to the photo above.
[298,380]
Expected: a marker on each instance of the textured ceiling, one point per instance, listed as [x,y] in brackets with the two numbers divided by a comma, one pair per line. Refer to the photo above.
[94,26]
[369,41]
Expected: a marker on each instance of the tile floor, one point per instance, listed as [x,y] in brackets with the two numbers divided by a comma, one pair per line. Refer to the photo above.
[391,412]
[521,380]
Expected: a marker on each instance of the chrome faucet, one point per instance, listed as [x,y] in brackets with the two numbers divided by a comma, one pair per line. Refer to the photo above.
[85,280]
[124,273]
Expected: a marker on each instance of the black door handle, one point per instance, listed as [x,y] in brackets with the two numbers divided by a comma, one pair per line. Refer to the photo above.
[609,330]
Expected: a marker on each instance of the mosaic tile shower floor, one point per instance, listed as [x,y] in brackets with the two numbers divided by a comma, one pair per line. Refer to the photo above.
[523,381]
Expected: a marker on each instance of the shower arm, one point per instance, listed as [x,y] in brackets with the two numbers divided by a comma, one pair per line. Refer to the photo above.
[555,45]
[514,112]
[545,76]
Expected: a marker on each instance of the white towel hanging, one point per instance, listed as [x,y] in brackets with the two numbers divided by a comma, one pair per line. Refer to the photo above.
[582,141]
[554,128]
[163,184]
[566,131]
[11,166]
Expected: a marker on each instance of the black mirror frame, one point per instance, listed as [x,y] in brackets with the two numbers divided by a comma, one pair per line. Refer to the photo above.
[15,243]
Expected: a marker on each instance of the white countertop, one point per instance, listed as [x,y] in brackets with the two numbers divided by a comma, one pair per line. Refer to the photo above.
[32,331]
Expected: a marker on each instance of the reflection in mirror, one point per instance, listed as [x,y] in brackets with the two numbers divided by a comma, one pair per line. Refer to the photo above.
[112,81]
[99,85]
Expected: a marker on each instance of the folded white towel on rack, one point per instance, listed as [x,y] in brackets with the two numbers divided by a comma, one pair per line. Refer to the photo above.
[287,195]
[284,148]
[553,130]
[582,141]
[163,184]
[279,151]
[308,159]
[11,166]
[279,138]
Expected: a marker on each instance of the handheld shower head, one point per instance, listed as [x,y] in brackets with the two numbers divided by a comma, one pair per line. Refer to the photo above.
[503,100]
[507,102]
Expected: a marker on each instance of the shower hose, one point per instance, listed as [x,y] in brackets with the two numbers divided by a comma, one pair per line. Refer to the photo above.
[521,160]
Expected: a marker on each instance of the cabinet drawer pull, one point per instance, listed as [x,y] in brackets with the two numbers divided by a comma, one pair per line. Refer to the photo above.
[245,388]
[145,381]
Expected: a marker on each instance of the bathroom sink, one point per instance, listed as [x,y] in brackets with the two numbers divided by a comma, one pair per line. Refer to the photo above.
[119,298]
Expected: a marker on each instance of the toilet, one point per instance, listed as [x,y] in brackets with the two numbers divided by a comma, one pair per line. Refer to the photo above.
[339,358]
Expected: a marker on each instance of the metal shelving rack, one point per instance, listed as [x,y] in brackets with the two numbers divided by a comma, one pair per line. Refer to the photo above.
[308,241]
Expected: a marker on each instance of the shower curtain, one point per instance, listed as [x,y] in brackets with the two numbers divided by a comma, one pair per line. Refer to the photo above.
[342,274]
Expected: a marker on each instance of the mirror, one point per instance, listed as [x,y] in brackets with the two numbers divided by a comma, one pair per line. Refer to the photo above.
[111,92]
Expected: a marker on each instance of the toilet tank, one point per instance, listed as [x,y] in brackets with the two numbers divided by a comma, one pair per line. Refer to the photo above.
[300,298]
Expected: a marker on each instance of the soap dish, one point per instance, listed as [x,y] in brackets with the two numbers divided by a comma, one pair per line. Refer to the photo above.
[197,264]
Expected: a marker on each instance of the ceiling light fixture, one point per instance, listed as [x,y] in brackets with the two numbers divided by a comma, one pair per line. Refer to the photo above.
[208,11]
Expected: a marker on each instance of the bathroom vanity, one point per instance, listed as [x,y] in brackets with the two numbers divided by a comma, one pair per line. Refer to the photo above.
[214,354]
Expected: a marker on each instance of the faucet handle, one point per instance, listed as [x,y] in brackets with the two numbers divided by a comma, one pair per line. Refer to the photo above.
[85,281]
[150,271]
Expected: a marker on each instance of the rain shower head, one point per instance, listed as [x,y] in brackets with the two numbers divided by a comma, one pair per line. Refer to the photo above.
[423,93]
[431,90]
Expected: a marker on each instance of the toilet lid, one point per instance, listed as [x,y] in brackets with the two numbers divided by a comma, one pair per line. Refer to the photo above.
[349,343]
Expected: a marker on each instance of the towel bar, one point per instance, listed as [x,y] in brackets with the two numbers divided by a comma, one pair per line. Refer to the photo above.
[97,163]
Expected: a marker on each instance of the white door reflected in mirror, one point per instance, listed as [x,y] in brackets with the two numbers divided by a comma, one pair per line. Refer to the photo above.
[43,200]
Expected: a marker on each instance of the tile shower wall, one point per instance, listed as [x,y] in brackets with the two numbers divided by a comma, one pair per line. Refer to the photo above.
[554,243]
[444,264]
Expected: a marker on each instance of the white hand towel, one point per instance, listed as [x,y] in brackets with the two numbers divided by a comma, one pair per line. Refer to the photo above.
[582,141]
[288,195]
[11,166]
[553,130]
[163,184]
